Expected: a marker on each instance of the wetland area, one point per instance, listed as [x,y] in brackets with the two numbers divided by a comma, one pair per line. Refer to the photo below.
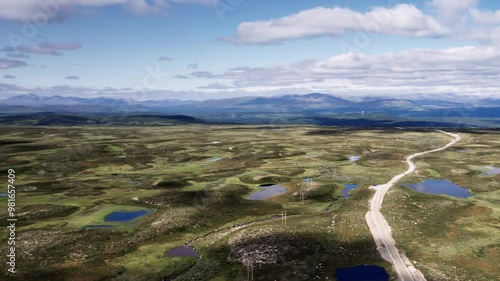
[136,203]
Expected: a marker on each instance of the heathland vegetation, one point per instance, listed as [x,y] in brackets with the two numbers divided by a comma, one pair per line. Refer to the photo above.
[193,182]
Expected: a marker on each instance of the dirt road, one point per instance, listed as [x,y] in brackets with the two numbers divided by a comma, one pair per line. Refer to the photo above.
[381,230]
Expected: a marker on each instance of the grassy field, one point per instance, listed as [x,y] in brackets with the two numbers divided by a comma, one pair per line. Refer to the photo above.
[193,180]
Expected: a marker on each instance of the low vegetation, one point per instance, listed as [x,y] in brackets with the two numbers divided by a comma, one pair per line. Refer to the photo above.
[194,181]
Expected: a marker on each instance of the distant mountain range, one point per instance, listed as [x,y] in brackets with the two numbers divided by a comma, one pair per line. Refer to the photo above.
[309,105]
[315,103]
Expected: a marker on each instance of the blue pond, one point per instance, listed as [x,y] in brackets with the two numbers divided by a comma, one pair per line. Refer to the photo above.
[267,191]
[125,216]
[440,187]
[362,273]
[347,188]
[3,194]
[490,171]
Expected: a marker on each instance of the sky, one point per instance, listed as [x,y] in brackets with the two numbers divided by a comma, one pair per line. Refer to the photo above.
[205,49]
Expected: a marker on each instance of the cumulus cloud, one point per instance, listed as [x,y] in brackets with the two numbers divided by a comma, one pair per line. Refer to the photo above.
[45,48]
[403,19]
[8,63]
[453,5]
[8,76]
[452,10]
[485,17]
[463,70]
[72,77]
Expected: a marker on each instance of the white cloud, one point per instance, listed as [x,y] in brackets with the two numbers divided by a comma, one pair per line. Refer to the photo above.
[469,70]
[403,19]
[453,5]
[453,11]
[485,17]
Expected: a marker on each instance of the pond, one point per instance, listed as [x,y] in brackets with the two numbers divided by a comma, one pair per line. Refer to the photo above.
[184,251]
[267,191]
[490,171]
[348,187]
[362,273]
[3,194]
[354,158]
[440,187]
[125,216]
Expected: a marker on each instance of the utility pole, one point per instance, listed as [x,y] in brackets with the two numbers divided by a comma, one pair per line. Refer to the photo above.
[283,218]
[249,271]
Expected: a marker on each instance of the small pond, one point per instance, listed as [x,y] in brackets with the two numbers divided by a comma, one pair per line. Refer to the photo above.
[125,216]
[184,251]
[354,158]
[267,191]
[440,187]
[362,273]
[347,188]
[3,194]
[490,171]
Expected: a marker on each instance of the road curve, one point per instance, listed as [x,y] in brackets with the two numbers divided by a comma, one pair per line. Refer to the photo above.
[381,230]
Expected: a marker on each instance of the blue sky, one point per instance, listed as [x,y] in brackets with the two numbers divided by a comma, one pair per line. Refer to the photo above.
[199,49]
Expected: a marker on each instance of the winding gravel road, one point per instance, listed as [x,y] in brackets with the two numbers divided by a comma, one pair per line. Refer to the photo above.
[381,230]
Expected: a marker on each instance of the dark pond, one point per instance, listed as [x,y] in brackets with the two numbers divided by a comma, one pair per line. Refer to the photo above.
[362,273]
[3,194]
[184,251]
[440,187]
[347,188]
[267,191]
[125,216]
[98,226]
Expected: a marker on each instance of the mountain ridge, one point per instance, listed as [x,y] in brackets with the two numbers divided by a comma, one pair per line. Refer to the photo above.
[311,104]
